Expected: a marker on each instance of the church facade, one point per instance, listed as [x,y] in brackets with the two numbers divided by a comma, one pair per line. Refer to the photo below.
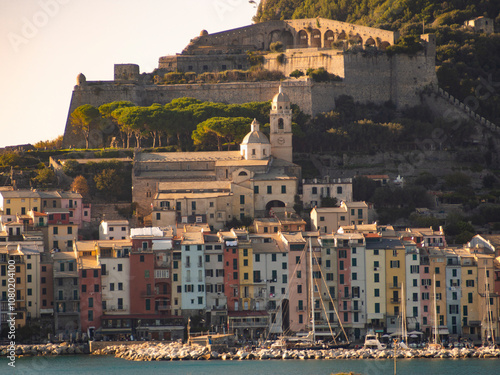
[215,187]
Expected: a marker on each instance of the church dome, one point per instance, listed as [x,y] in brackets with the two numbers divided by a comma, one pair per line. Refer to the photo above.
[281,97]
[255,135]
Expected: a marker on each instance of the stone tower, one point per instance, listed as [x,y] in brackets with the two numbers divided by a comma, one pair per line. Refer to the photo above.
[281,127]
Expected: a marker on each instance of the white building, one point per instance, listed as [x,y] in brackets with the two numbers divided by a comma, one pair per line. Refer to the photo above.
[114,230]
[193,272]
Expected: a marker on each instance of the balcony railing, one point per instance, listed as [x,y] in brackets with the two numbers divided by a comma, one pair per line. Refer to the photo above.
[395,300]
[395,286]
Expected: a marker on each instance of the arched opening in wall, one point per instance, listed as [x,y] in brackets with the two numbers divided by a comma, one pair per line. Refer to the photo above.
[342,36]
[329,38]
[316,38]
[283,36]
[243,173]
[261,42]
[281,124]
[355,40]
[303,39]
[287,38]
[235,42]
[274,203]
[370,42]
[383,45]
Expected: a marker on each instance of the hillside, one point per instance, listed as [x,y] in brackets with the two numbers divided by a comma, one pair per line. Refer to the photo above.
[468,63]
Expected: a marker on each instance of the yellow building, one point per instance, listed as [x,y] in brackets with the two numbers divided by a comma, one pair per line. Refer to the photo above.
[395,275]
[245,266]
[437,272]
[471,318]
[19,202]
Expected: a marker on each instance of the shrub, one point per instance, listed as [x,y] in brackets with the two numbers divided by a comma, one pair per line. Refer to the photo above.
[276,47]
[280,58]
[296,73]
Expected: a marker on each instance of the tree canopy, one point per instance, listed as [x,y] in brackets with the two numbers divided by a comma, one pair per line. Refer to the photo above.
[85,119]
[221,131]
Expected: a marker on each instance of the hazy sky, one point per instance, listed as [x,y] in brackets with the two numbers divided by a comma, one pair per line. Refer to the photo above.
[44,44]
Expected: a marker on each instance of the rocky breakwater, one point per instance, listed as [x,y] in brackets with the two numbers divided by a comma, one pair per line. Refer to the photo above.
[46,349]
[177,351]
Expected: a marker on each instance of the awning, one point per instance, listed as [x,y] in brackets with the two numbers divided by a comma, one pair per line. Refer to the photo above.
[443,331]
[113,331]
[415,333]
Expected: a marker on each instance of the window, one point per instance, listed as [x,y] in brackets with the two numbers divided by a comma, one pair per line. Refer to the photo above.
[375,252]
[314,190]
[55,230]
[376,277]
[120,267]
[377,308]
[256,189]
[273,257]
[341,265]
[394,263]
[284,279]
[96,288]
[112,286]
[354,262]
[148,304]
[70,230]
[91,302]
[436,270]
[354,276]
[414,269]
[469,283]
[341,279]
[120,286]
[245,275]
[283,189]
[269,189]
[84,288]
[193,206]
[376,292]
[284,265]
[242,199]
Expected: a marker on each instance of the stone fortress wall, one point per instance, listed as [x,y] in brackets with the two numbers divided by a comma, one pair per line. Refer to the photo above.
[374,77]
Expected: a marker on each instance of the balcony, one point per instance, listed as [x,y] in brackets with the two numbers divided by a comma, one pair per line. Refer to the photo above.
[164,308]
[395,286]
[395,300]
[220,307]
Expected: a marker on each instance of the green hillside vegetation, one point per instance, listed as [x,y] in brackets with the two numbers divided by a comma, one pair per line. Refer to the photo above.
[468,63]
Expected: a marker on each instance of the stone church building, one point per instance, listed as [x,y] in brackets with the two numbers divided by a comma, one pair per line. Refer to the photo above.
[215,187]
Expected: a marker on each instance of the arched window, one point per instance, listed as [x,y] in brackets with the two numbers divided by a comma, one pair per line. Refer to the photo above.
[281,124]
[243,173]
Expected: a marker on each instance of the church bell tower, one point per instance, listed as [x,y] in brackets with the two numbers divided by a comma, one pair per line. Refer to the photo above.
[281,127]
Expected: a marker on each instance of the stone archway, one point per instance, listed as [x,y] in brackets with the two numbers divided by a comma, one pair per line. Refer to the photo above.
[329,39]
[383,45]
[283,36]
[370,42]
[303,39]
[274,203]
[316,38]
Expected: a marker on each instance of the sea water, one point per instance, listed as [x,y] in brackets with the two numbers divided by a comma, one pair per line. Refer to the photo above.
[80,365]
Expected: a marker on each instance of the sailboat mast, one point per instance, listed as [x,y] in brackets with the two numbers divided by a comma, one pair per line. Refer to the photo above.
[312,291]
[489,326]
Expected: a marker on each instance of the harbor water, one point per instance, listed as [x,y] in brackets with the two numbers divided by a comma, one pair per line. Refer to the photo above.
[83,364]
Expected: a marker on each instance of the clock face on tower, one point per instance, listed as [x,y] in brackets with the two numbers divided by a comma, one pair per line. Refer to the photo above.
[281,140]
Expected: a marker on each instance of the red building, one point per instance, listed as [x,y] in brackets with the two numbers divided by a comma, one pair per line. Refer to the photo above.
[57,216]
[231,280]
[89,273]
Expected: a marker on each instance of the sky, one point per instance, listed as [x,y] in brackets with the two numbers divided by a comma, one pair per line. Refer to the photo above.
[45,44]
